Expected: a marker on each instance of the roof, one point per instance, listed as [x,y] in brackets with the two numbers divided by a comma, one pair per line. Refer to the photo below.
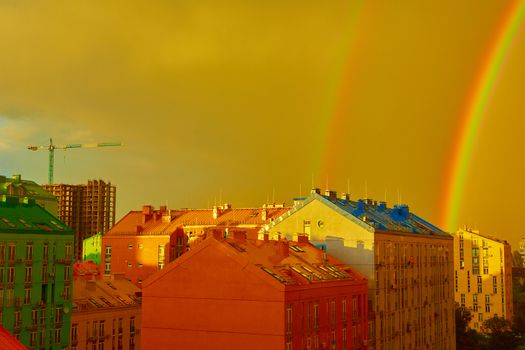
[8,341]
[103,294]
[163,221]
[15,186]
[376,216]
[290,263]
[23,215]
[484,235]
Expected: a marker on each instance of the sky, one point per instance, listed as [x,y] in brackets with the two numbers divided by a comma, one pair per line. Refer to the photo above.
[249,102]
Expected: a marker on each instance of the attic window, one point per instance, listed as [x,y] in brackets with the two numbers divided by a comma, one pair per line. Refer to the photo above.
[43,226]
[296,248]
[8,223]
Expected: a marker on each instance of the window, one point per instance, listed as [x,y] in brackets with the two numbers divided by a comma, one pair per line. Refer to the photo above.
[27,296]
[306,227]
[44,274]
[130,246]
[468,281]
[74,333]
[58,335]
[494,285]
[107,268]
[95,329]
[480,285]
[462,299]
[108,251]
[12,252]
[333,311]
[475,302]
[32,339]
[344,338]
[29,252]
[11,274]
[487,303]
[46,252]
[2,252]
[69,255]
[354,308]
[161,257]
[480,317]
[129,264]
[28,274]
[67,272]
[316,315]
[67,292]
[289,319]
[58,314]
[34,316]
[120,326]
[132,325]
[18,319]
[102,331]
[344,309]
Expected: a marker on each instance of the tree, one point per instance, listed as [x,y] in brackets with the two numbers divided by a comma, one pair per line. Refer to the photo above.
[499,334]
[466,338]
[517,260]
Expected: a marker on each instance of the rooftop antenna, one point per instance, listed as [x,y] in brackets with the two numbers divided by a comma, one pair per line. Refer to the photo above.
[385,194]
[300,190]
[220,196]
[273,195]
[366,189]
[327,183]
[347,185]
[312,180]
[398,199]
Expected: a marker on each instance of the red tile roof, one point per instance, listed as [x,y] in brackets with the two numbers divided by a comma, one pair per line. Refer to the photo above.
[165,222]
[8,341]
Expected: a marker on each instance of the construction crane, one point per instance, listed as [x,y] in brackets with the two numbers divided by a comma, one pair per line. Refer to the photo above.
[52,147]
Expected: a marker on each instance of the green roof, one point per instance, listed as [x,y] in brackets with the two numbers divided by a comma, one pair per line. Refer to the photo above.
[23,188]
[23,215]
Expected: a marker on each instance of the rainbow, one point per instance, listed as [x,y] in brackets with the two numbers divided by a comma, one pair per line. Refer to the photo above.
[474,111]
[338,93]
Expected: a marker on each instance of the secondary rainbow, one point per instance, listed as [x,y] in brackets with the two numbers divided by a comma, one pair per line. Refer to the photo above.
[474,111]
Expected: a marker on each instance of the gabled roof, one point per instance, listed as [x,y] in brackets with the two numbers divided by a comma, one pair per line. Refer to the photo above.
[8,341]
[374,216]
[165,223]
[15,186]
[103,294]
[287,263]
[19,215]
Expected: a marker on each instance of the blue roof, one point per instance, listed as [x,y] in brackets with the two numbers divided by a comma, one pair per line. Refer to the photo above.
[380,217]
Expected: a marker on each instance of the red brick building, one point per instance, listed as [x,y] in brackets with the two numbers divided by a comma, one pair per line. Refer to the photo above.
[239,293]
[143,242]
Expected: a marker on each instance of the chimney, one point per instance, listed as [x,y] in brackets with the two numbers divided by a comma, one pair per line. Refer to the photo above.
[382,206]
[17,178]
[330,194]
[266,237]
[264,213]
[147,213]
[345,196]
[283,248]
[315,190]
[216,212]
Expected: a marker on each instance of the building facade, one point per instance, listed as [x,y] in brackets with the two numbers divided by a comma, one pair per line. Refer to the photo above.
[106,311]
[17,187]
[237,293]
[35,274]
[408,263]
[88,208]
[483,276]
[143,242]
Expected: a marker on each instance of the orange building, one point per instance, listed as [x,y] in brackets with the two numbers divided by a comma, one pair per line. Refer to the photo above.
[142,242]
[239,293]
[106,311]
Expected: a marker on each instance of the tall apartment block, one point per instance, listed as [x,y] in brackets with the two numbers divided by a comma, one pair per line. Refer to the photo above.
[483,275]
[408,263]
[36,257]
[88,208]
[243,293]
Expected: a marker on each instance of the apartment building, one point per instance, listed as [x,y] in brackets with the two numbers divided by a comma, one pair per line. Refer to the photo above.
[243,293]
[408,263]
[106,311]
[143,242]
[21,188]
[483,275]
[36,253]
[87,208]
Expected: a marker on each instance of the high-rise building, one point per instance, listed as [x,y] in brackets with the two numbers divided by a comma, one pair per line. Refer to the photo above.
[143,242]
[106,311]
[36,258]
[88,208]
[483,275]
[408,263]
[242,293]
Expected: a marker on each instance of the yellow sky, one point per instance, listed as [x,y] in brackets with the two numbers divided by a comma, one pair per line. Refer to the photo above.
[229,100]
